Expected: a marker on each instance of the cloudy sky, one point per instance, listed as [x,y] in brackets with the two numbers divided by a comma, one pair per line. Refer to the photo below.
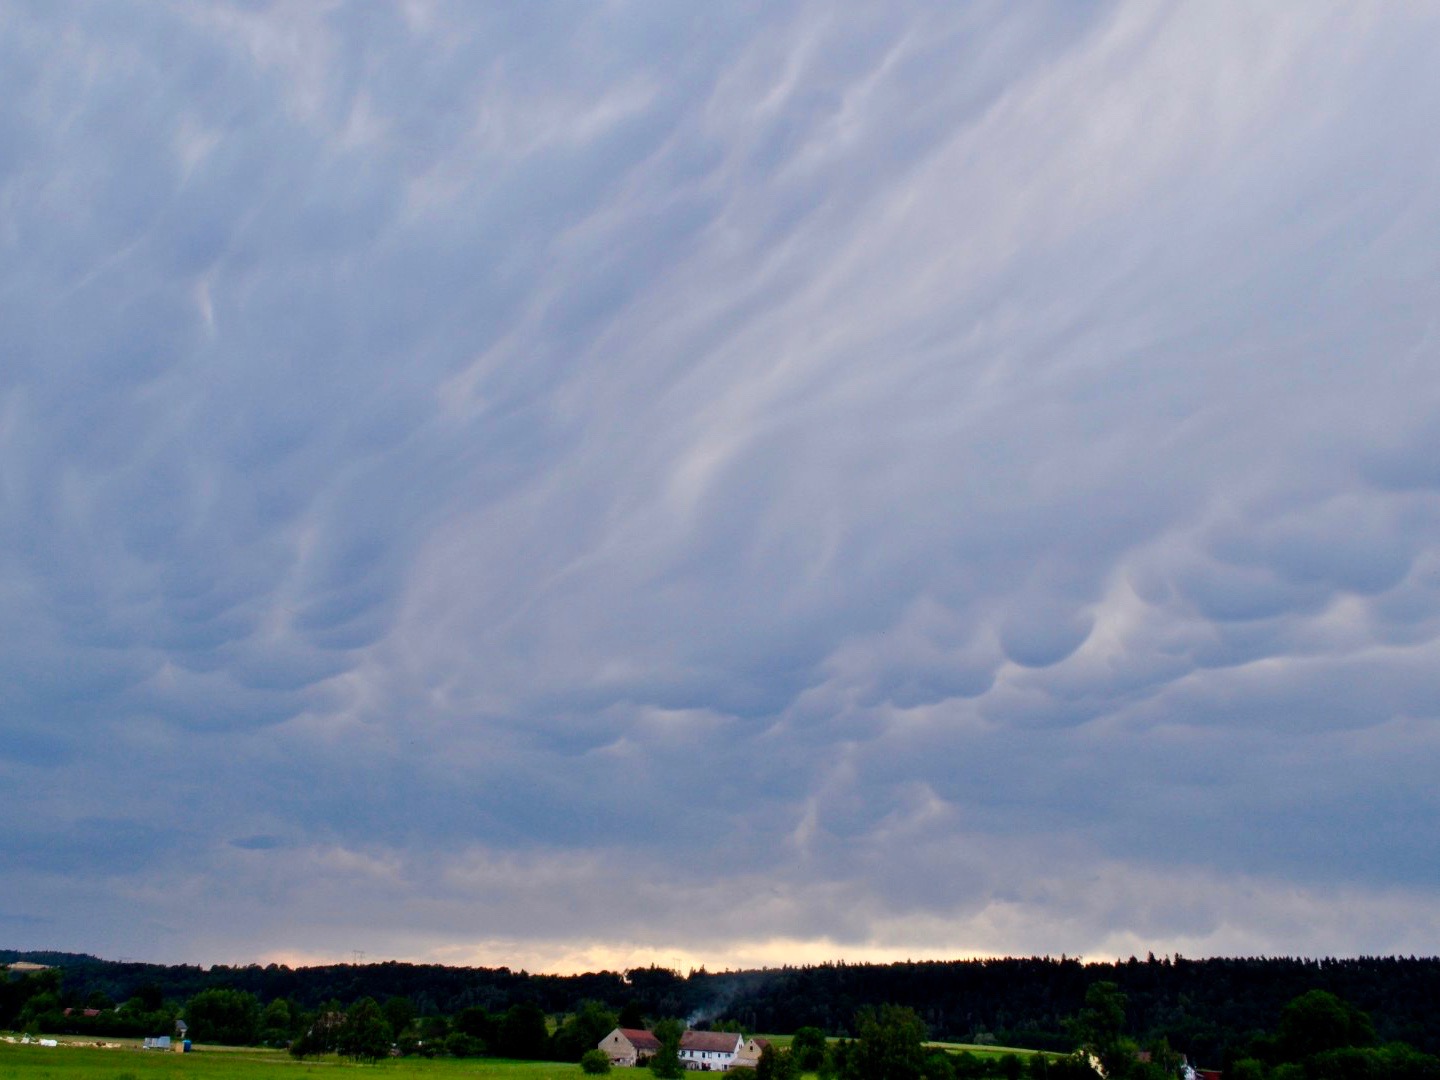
[582,484]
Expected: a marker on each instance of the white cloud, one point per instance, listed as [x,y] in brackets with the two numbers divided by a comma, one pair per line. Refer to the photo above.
[934,482]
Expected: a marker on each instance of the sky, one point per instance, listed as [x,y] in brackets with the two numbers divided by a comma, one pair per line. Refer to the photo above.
[581,485]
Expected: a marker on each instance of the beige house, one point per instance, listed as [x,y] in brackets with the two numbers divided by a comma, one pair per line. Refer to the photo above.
[629,1046]
[749,1054]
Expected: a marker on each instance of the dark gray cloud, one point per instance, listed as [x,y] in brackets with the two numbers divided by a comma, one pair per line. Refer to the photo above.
[920,482]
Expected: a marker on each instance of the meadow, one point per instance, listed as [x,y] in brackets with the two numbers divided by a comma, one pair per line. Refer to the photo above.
[76,1059]
[81,1062]
[988,1050]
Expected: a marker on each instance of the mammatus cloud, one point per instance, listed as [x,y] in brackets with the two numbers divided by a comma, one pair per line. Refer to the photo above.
[557,489]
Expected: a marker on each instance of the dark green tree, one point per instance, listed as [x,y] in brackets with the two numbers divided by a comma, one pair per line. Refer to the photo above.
[666,1062]
[1393,1062]
[775,1064]
[432,1029]
[1098,1030]
[24,1000]
[1163,1064]
[321,1033]
[660,990]
[808,1047]
[1318,1021]
[150,995]
[523,1032]
[582,1031]
[938,1065]
[478,1024]
[229,1017]
[399,1013]
[889,1045]
[277,1023]
[837,1060]
[365,1035]
[1070,1067]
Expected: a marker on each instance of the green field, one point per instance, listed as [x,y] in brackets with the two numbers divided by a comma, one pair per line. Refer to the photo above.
[978,1049]
[83,1060]
[984,1050]
[80,1062]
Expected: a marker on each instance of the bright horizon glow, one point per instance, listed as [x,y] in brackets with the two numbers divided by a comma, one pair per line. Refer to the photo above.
[719,485]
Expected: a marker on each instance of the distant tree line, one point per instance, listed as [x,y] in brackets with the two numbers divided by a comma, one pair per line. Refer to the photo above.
[1318,1036]
[363,1029]
[1212,1011]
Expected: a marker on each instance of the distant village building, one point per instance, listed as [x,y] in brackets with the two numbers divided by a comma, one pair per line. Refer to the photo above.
[709,1051]
[700,1051]
[629,1046]
[750,1053]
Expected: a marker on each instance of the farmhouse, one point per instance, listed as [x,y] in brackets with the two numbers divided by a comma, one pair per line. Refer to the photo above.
[709,1051]
[750,1053]
[700,1051]
[629,1046]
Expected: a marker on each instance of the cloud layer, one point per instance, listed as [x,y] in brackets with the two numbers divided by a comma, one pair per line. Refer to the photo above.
[606,483]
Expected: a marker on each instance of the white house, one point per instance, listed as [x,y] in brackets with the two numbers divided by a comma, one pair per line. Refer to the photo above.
[710,1051]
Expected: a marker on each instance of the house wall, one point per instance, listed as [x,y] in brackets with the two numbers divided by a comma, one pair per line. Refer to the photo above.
[749,1054]
[620,1049]
[707,1060]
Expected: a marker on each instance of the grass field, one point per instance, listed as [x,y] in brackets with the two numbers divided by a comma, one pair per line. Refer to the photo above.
[82,1062]
[978,1049]
[984,1051]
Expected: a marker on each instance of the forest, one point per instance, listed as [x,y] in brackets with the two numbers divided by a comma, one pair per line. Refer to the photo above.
[1216,1012]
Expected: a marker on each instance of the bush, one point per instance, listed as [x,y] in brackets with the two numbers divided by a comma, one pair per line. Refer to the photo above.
[307,1045]
[938,1066]
[595,1063]
[460,1045]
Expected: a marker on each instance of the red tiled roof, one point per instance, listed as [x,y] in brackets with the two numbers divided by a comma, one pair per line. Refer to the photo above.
[718,1041]
[640,1039]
